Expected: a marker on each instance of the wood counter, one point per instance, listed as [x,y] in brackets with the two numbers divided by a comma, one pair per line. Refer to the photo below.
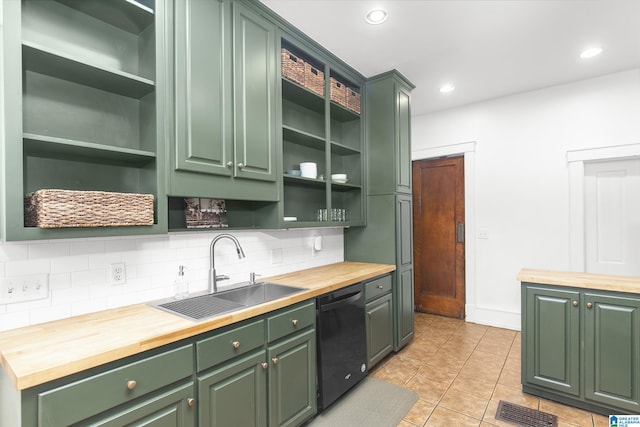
[37,354]
[604,282]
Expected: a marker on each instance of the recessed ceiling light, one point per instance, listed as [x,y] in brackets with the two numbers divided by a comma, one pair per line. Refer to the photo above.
[591,52]
[376,16]
[447,88]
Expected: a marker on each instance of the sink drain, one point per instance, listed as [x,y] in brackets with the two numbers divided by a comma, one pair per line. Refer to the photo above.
[523,416]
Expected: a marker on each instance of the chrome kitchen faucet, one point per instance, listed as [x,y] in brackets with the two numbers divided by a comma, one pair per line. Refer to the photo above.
[213,279]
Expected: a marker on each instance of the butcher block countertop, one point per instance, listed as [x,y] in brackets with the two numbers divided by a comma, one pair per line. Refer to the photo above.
[603,282]
[37,354]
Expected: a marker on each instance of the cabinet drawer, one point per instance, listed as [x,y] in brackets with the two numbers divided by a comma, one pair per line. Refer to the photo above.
[377,287]
[81,399]
[292,320]
[229,344]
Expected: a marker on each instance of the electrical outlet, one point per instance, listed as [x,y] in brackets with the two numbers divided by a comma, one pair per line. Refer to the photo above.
[24,288]
[118,274]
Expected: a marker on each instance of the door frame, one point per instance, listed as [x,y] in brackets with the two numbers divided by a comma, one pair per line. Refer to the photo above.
[467,150]
[575,161]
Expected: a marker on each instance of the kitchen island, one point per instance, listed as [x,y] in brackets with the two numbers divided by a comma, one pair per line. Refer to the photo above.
[581,339]
[56,353]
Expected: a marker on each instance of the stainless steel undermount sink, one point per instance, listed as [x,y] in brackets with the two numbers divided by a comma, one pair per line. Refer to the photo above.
[205,306]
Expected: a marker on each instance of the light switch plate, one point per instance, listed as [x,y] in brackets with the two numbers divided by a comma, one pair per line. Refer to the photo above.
[24,288]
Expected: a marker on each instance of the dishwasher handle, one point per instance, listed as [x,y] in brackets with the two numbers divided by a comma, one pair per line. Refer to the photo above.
[345,300]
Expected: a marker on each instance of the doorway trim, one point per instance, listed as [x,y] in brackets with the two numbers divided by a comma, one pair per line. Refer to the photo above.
[576,160]
[467,149]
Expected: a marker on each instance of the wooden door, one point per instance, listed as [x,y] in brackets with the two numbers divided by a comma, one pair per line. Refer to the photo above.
[438,239]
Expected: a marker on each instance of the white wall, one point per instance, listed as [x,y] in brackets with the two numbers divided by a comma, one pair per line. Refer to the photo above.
[521,177]
[78,268]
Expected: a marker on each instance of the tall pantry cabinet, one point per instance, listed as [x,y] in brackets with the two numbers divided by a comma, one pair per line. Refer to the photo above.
[388,237]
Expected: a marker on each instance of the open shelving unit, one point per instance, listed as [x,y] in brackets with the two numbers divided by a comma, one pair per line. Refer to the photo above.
[317,129]
[88,104]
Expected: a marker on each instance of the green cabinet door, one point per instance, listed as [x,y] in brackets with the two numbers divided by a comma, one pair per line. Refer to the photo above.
[403,138]
[235,393]
[551,339]
[379,327]
[203,119]
[292,380]
[612,350]
[404,274]
[255,81]
[224,79]
[174,408]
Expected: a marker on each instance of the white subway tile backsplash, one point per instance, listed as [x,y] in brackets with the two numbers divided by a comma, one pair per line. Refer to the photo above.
[79,268]
[69,264]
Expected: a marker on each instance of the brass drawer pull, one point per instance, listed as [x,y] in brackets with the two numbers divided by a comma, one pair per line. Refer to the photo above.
[131,384]
[575,303]
[264,365]
[380,287]
[236,344]
[275,360]
[295,322]
[191,401]
[589,305]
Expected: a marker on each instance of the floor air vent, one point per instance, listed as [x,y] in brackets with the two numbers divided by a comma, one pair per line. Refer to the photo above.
[524,417]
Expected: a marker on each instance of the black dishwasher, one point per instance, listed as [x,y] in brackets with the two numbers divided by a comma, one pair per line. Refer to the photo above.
[342,347]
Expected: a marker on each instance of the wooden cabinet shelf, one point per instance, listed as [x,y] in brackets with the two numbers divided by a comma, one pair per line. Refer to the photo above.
[47,146]
[138,15]
[302,96]
[43,60]
[301,137]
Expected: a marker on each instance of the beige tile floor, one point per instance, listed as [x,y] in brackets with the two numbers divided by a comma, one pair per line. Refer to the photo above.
[461,371]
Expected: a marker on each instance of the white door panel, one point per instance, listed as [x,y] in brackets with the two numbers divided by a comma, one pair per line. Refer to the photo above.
[612,217]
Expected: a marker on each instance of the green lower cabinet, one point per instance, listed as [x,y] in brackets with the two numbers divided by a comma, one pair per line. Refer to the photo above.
[379,327]
[234,394]
[582,347]
[169,409]
[552,340]
[292,379]
[612,351]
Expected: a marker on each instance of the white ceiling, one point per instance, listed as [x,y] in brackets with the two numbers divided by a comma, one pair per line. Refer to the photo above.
[486,48]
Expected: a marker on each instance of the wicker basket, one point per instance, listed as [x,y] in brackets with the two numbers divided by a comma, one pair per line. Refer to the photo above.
[292,67]
[313,79]
[353,100]
[338,92]
[66,208]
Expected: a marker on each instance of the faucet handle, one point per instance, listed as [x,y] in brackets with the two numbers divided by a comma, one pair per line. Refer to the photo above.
[252,277]
[222,277]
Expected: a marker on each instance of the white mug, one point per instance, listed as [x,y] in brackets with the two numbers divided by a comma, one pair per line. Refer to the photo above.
[309,170]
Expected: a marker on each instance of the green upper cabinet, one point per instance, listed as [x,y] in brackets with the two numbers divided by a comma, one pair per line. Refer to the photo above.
[224,101]
[389,132]
[322,123]
[81,106]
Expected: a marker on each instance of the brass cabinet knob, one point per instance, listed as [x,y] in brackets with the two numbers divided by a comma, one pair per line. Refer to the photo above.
[230,164]
[589,305]
[240,165]
[191,401]
[275,360]
[236,344]
[295,322]
[575,303]
[131,384]
[264,365]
